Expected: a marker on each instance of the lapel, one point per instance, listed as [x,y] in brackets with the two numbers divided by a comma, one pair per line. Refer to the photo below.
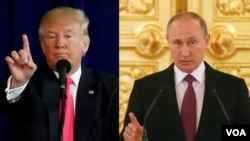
[170,113]
[50,97]
[87,94]
[209,102]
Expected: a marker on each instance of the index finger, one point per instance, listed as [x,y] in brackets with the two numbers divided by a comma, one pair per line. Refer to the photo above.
[133,119]
[26,45]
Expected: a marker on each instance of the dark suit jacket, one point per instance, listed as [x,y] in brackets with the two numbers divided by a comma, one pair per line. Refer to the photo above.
[4,119]
[35,116]
[164,124]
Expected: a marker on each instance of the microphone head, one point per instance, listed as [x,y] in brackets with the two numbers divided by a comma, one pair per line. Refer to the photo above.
[63,64]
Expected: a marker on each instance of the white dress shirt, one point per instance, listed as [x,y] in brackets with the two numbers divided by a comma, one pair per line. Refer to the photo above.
[198,85]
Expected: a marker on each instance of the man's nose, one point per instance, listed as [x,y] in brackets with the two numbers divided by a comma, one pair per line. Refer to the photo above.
[185,50]
[60,42]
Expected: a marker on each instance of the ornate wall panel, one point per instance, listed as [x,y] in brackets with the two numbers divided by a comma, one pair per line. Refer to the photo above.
[232,10]
[129,72]
[134,9]
[228,23]
[144,49]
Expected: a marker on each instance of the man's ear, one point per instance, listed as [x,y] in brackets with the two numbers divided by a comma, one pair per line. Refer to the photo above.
[207,40]
[42,46]
[166,37]
[85,47]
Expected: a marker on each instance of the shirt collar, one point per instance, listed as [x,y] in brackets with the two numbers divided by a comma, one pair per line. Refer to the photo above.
[198,74]
[76,76]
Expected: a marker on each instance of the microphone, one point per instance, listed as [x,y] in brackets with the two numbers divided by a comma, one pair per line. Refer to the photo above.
[222,107]
[63,67]
[144,133]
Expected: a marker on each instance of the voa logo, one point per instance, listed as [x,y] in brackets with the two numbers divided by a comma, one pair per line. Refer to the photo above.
[236,132]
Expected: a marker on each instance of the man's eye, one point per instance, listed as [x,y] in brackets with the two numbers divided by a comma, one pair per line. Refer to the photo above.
[177,43]
[52,37]
[192,42]
[68,36]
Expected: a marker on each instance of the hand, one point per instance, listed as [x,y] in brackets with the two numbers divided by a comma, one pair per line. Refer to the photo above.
[21,64]
[133,131]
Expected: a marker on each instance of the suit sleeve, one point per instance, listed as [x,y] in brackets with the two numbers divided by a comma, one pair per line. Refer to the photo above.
[135,105]
[243,104]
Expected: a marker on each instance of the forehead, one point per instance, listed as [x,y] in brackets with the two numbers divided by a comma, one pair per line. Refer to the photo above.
[185,28]
[61,26]
[60,18]
[185,24]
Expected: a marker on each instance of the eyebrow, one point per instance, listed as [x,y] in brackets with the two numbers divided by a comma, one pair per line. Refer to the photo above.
[52,31]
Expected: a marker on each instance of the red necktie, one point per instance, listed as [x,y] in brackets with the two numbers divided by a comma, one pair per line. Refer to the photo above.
[68,126]
[188,110]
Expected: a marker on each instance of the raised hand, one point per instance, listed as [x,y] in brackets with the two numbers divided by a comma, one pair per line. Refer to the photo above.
[133,131]
[21,64]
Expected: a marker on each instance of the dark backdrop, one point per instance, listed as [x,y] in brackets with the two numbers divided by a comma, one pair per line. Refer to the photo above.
[23,16]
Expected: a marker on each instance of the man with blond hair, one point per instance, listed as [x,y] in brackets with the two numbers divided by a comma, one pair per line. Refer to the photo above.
[34,94]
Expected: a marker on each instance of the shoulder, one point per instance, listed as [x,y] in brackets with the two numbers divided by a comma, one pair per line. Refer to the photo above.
[158,77]
[220,75]
[100,76]
[223,80]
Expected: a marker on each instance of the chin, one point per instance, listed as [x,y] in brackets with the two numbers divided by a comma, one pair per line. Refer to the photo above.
[187,69]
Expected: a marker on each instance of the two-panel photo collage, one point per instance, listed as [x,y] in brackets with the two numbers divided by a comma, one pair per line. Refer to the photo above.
[125,70]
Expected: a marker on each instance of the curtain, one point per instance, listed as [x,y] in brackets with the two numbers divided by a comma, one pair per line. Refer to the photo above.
[23,16]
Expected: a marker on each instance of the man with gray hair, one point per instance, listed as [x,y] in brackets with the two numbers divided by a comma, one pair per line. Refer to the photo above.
[190,100]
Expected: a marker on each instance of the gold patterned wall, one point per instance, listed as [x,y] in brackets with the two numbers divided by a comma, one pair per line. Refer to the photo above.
[144,49]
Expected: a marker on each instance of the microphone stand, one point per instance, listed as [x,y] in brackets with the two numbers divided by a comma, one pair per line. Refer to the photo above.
[63,66]
[62,116]
[222,106]
[144,133]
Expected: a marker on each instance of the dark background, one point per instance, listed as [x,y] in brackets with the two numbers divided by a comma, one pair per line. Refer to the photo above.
[19,17]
